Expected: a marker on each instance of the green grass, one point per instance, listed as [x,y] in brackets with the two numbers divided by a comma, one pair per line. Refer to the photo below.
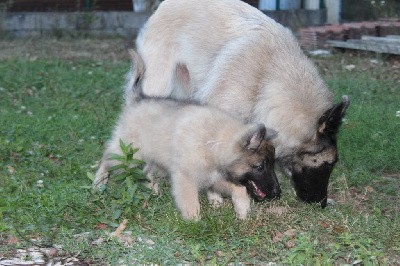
[56,115]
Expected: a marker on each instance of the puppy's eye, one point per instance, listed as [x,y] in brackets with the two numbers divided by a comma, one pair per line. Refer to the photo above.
[260,167]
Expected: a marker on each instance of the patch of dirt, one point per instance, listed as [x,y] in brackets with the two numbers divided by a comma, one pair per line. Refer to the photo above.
[43,256]
[391,176]
[110,49]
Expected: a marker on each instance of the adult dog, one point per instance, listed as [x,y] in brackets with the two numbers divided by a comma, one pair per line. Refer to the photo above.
[230,55]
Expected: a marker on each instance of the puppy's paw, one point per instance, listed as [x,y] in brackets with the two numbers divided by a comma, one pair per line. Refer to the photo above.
[242,211]
[191,216]
[215,199]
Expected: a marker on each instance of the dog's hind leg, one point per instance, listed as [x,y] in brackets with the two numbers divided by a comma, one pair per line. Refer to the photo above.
[102,175]
[150,173]
[214,198]
[153,174]
[113,147]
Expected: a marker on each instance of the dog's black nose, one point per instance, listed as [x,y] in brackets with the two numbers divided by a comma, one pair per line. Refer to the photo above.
[276,193]
[324,202]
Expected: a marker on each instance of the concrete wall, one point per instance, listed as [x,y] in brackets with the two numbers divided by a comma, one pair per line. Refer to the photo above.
[334,8]
[28,24]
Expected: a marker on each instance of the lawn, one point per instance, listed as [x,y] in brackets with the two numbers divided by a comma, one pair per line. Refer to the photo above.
[59,101]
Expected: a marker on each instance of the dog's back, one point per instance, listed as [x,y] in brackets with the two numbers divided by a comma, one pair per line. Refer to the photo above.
[239,60]
[166,128]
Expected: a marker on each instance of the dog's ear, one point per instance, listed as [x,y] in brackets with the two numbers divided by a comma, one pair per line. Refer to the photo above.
[253,137]
[330,121]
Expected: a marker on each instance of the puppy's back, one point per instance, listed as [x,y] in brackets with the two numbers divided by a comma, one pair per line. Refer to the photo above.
[174,132]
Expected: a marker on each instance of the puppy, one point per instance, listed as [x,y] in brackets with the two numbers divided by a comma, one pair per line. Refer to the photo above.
[200,147]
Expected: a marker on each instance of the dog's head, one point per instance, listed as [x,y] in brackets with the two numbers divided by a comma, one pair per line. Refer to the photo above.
[254,167]
[310,166]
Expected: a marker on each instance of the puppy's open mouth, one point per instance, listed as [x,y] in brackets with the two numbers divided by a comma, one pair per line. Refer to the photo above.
[256,190]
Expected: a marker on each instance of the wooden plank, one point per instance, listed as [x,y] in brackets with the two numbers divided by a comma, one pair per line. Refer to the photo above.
[394,36]
[371,42]
[386,39]
[366,46]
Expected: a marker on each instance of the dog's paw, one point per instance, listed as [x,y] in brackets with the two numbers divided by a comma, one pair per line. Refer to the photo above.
[154,187]
[214,199]
[100,179]
[190,210]
[194,217]
[242,211]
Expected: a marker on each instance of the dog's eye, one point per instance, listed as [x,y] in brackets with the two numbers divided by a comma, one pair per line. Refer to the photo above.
[260,167]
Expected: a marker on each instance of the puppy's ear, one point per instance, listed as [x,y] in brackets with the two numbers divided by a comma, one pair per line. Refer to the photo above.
[253,137]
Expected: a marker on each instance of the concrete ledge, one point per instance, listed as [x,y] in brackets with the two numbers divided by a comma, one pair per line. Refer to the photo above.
[30,24]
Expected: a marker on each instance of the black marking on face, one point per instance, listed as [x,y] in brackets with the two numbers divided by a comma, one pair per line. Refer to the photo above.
[310,170]
[311,167]
[311,184]
[262,183]
[256,172]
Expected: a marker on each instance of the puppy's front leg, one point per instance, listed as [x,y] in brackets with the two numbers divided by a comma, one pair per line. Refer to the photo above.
[241,201]
[240,198]
[186,196]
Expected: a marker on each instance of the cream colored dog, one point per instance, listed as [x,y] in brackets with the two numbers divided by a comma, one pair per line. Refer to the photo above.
[200,147]
[230,55]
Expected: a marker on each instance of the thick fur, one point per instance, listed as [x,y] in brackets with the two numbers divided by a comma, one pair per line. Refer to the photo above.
[199,146]
[232,56]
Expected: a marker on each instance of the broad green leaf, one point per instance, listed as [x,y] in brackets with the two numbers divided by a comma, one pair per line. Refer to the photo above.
[90,175]
[116,167]
[121,176]
[116,214]
[116,157]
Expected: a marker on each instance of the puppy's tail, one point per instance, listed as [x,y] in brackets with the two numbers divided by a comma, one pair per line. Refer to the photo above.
[133,88]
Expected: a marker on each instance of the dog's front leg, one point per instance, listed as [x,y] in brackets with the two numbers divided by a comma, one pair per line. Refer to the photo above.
[186,195]
[241,201]
[240,198]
